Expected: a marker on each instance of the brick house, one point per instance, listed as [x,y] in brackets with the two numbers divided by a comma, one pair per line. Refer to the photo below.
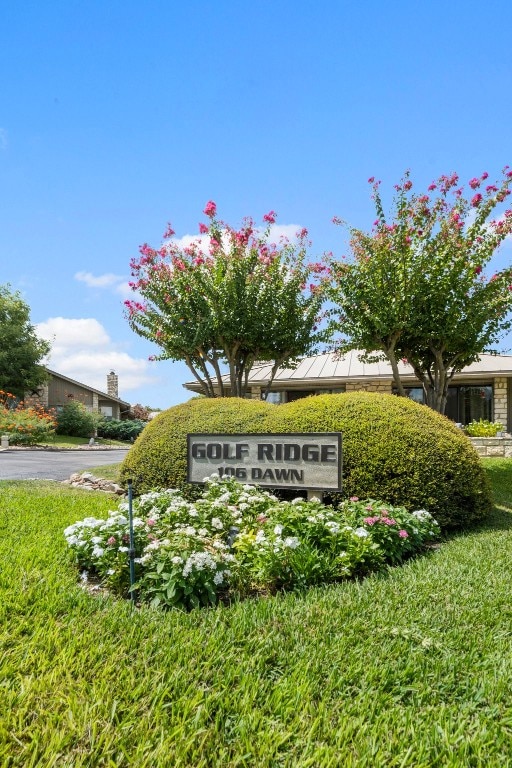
[60,389]
[483,390]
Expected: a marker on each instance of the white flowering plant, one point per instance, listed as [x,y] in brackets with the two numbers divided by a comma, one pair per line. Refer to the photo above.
[102,546]
[395,530]
[236,540]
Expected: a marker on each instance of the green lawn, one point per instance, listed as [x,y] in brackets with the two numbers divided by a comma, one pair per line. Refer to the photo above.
[106,471]
[66,441]
[412,667]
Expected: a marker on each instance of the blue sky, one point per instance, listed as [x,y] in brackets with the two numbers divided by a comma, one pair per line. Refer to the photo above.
[118,117]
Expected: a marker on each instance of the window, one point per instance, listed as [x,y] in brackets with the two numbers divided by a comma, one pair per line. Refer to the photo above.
[464,403]
[274,397]
[297,394]
[416,394]
[106,411]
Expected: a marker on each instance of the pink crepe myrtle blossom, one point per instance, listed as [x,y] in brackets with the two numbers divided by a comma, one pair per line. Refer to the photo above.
[190,279]
[210,209]
[403,534]
[111,541]
[455,241]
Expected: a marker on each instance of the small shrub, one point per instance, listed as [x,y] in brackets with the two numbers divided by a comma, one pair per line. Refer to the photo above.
[75,420]
[115,429]
[483,428]
[159,457]
[237,540]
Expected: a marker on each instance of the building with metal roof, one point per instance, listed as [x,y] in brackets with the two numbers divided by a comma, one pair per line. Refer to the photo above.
[483,390]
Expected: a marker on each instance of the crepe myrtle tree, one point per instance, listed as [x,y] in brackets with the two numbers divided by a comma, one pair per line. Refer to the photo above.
[231,297]
[415,287]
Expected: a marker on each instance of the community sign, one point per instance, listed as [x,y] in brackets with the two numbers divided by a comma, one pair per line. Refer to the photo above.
[309,461]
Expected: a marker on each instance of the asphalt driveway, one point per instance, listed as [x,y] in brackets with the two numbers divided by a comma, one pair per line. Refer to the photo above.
[53,465]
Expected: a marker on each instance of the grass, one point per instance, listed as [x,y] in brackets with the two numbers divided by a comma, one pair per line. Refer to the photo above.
[407,668]
[67,441]
[106,471]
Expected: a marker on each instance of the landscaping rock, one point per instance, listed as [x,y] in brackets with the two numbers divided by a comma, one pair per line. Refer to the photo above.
[88,482]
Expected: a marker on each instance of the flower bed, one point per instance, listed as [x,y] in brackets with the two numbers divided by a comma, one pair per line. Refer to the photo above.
[24,425]
[236,540]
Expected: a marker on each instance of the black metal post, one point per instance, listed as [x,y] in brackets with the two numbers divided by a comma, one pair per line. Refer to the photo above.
[131,551]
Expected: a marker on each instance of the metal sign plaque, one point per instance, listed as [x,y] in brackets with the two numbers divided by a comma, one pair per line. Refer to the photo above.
[309,461]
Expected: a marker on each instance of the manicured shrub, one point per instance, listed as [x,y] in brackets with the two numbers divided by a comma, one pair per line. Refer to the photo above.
[75,420]
[397,451]
[118,429]
[393,449]
[158,458]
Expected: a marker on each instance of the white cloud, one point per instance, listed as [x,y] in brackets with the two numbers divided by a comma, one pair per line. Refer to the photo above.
[83,350]
[276,232]
[124,290]
[108,280]
[289,231]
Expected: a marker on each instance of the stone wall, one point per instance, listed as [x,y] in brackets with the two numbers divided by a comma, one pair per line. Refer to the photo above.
[374,385]
[500,401]
[493,446]
[39,399]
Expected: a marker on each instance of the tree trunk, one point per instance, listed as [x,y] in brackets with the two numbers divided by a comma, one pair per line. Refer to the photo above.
[390,353]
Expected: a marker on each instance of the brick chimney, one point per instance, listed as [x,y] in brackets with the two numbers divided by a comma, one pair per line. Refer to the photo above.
[112,384]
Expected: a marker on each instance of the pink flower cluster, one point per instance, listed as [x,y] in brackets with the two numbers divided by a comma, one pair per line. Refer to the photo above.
[379,519]
[210,209]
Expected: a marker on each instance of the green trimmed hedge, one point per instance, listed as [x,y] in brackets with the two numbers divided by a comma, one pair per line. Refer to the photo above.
[399,451]
[393,449]
[158,459]
[120,429]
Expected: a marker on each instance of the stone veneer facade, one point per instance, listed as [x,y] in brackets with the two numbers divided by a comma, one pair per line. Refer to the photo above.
[384,387]
[501,401]
[493,446]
